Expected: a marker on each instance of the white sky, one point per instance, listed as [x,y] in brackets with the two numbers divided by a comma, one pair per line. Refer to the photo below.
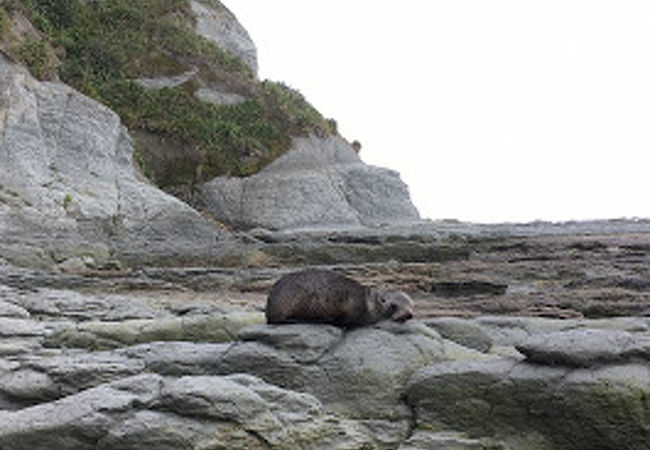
[491,110]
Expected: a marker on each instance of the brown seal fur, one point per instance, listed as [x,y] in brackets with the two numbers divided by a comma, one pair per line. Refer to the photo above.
[323,296]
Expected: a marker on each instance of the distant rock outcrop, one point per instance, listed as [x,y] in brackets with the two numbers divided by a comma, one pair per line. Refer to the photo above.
[319,183]
[68,191]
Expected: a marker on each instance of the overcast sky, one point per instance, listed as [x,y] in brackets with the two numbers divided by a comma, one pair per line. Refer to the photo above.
[491,110]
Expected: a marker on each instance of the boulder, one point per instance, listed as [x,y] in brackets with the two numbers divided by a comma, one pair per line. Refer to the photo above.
[151,411]
[586,348]
[177,358]
[319,183]
[40,379]
[217,97]
[359,373]
[535,407]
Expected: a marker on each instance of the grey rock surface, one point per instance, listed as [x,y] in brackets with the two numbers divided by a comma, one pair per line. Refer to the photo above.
[177,358]
[167,82]
[319,183]
[216,97]
[69,195]
[444,440]
[150,411]
[11,310]
[586,348]
[144,371]
[40,379]
[463,332]
[205,328]
[215,22]
[360,373]
[536,407]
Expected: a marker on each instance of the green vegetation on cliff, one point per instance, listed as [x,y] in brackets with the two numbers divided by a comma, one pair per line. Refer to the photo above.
[100,46]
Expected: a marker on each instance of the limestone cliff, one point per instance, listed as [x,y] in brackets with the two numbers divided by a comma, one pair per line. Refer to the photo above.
[68,188]
[181,101]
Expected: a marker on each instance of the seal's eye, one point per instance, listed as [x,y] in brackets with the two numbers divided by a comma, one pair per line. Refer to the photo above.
[392,308]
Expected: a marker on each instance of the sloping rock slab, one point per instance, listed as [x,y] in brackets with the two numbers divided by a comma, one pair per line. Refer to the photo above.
[530,406]
[150,411]
[585,348]
[359,373]
[203,327]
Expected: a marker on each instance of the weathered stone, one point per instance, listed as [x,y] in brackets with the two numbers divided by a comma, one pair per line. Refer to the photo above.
[349,387]
[215,22]
[511,331]
[461,331]
[28,386]
[11,310]
[10,327]
[167,82]
[326,253]
[72,305]
[237,412]
[68,185]
[177,358]
[203,328]
[585,348]
[536,407]
[427,440]
[319,183]
[304,343]
[49,377]
[217,97]
[17,346]
[359,373]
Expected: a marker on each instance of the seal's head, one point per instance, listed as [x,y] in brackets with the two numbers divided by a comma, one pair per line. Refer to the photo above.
[392,304]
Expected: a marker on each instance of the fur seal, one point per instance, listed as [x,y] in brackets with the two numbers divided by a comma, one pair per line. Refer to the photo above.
[323,296]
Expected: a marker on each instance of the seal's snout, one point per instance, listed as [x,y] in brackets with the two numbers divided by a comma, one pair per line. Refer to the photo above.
[403,316]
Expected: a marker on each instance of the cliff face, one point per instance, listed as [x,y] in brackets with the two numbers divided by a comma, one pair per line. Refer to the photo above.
[67,184]
[69,194]
[180,74]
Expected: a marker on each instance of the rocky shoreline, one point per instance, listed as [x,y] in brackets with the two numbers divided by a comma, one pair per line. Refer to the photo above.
[519,341]
[128,366]
[596,269]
